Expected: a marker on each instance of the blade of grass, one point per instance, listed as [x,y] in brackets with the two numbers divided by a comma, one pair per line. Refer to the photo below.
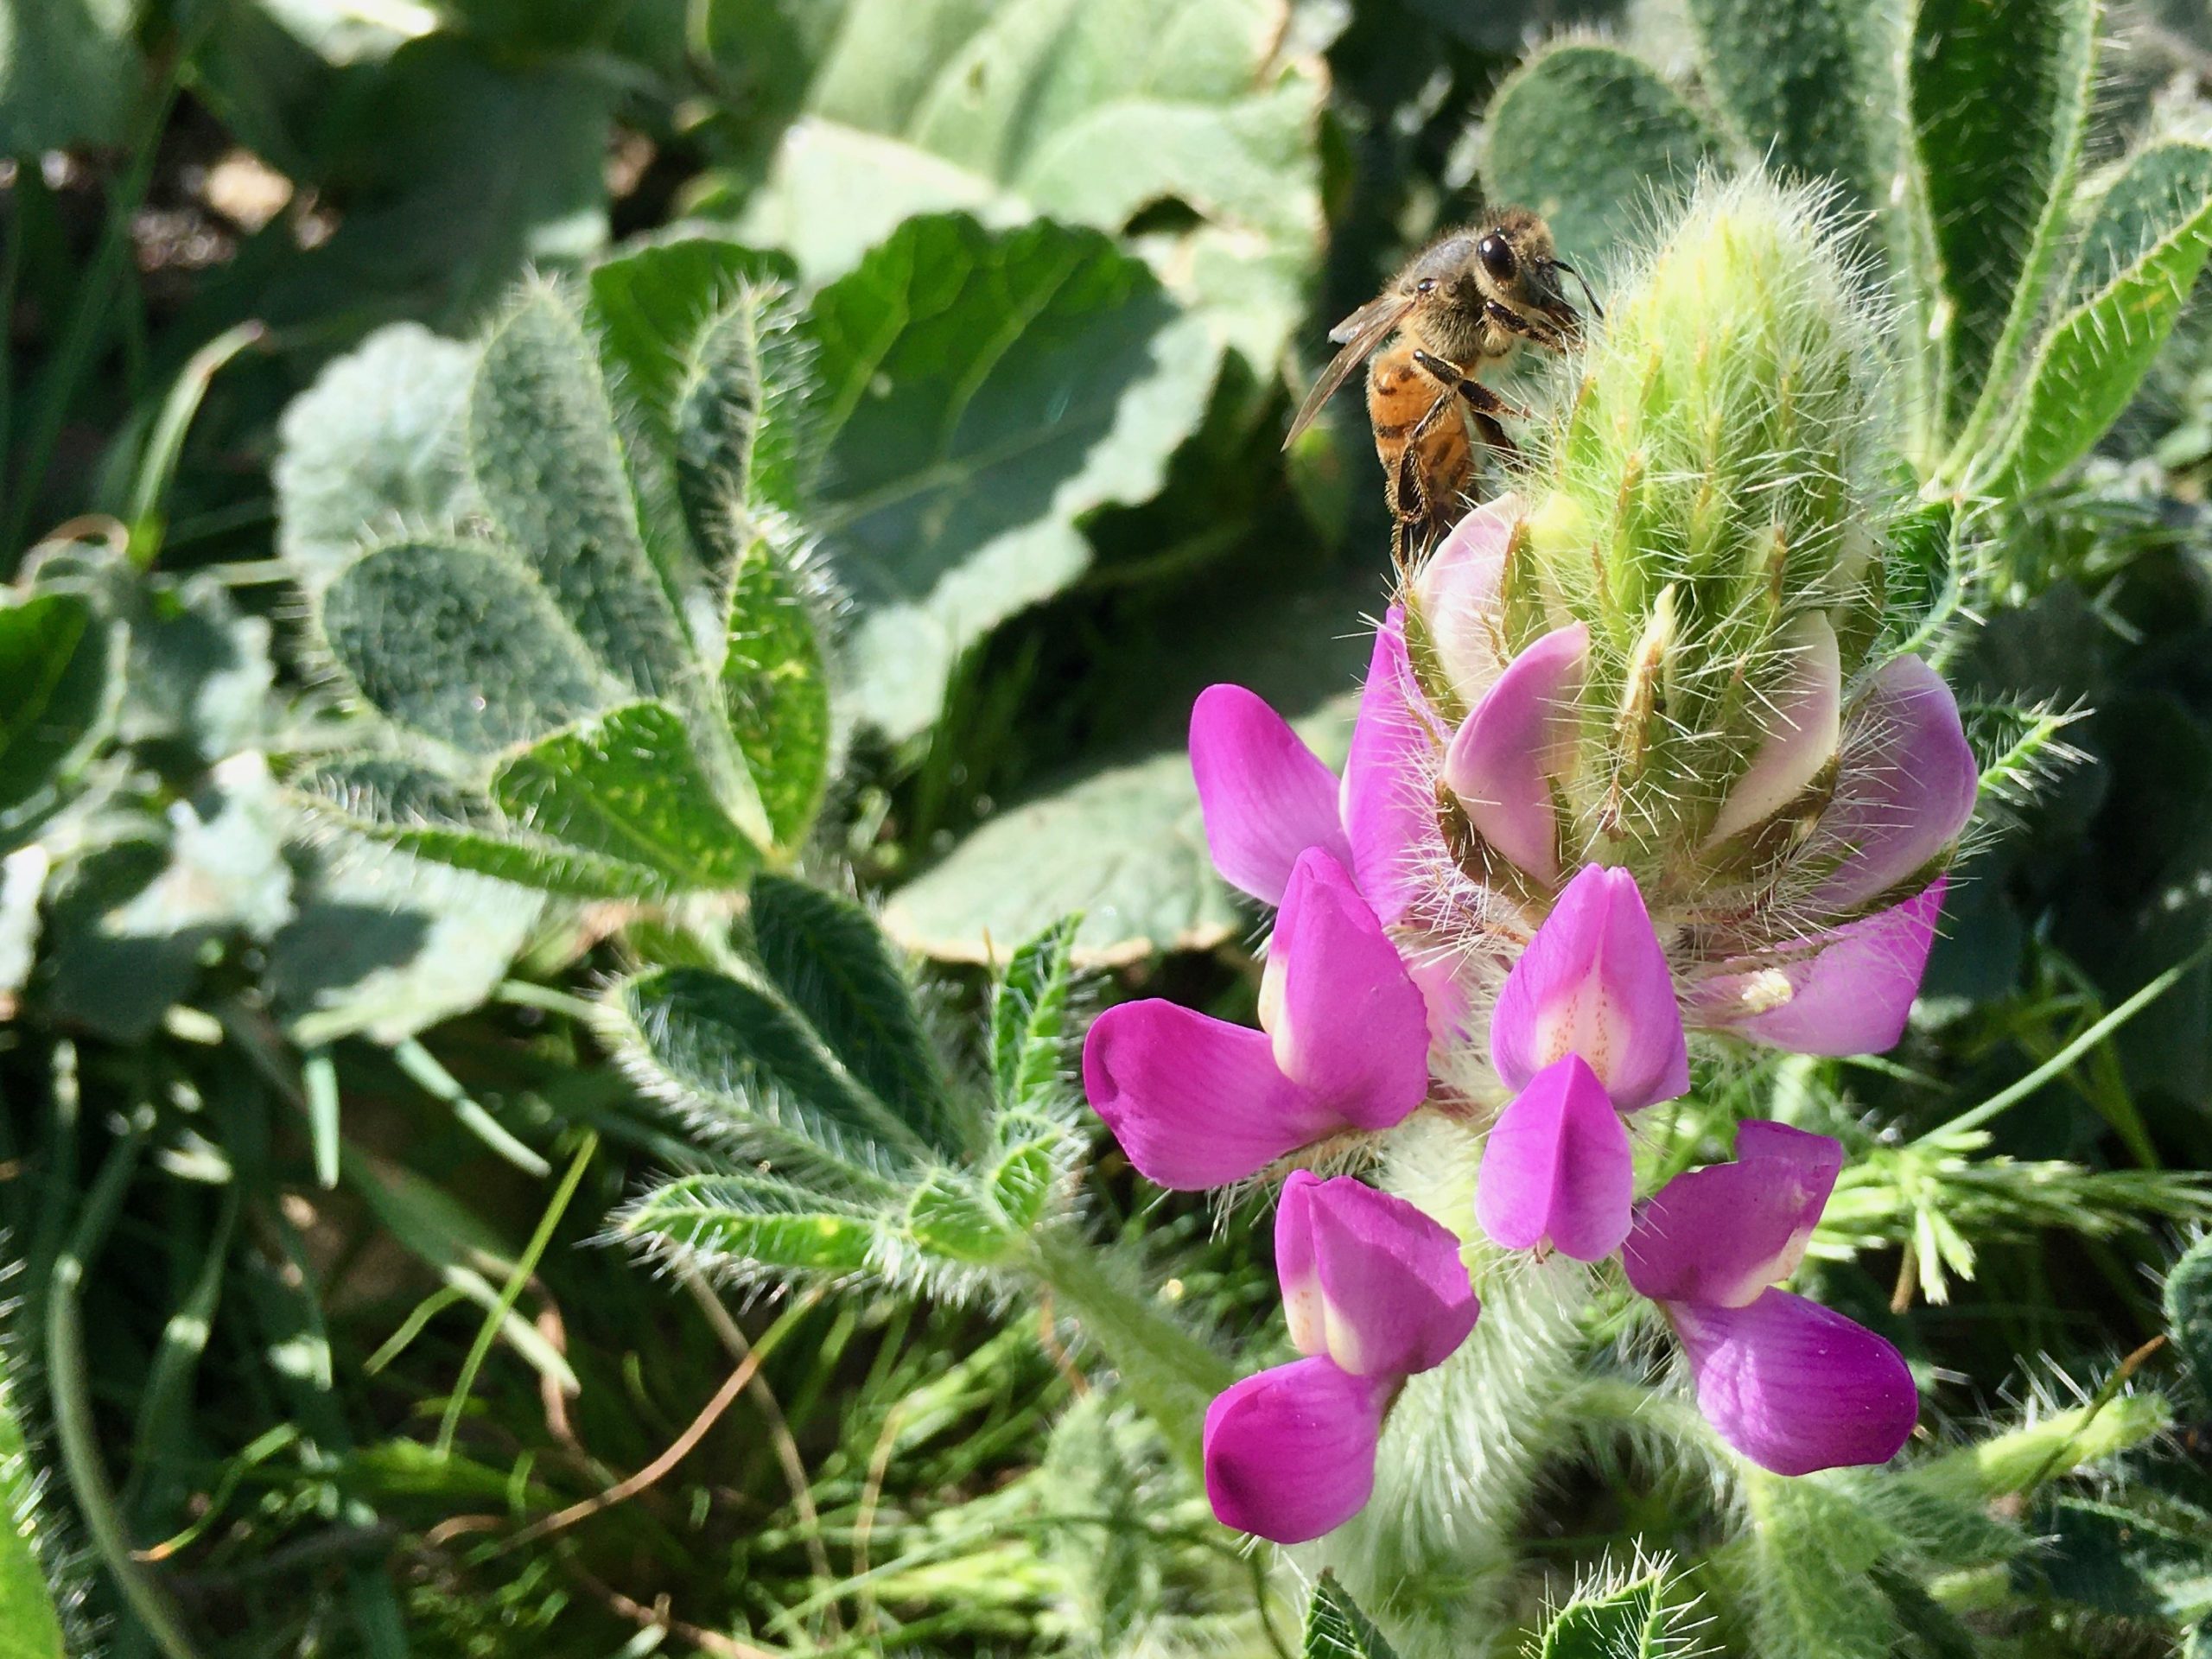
[420,1065]
[157,466]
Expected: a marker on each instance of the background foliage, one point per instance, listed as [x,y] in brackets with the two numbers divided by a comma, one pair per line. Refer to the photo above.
[603,602]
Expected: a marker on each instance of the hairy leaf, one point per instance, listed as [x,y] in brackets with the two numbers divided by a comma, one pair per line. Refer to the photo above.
[1805,83]
[627,785]
[1540,152]
[775,691]
[2188,1310]
[949,1217]
[30,1625]
[1639,1619]
[1336,1628]
[980,393]
[1029,1014]
[456,639]
[741,1223]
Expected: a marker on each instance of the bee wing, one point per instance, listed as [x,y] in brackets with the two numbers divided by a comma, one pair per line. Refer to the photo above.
[1359,334]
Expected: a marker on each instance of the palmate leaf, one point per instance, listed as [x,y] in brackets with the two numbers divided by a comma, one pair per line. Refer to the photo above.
[979,393]
[2145,242]
[1540,154]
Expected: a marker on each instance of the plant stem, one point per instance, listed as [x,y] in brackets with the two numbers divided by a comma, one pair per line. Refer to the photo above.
[1172,1374]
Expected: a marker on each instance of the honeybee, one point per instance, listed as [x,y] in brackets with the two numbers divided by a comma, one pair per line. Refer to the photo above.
[1463,303]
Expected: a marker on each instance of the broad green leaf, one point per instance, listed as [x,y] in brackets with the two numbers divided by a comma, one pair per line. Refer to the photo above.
[458,640]
[423,813]
[775,692]
[832,963]
[1090,113]
[2147,1559]
[1587,135]
[627,785]
[746,1069]
[737,436]
[68,74]
[1805,83]
[2140,255]
[374,443]
[647,308]
[53,688]
[544,455]
[30,1628]
[947,1216]
[979,393]
[1336,1628]
[1636,1620]
[1998,95]
[732,1223]
[1125,845]
[1029,1014]
[2188,1310]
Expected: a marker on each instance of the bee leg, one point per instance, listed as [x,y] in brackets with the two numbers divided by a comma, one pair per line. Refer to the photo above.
[1497,438]
[1478,397]
[1406,497]
[1528,327]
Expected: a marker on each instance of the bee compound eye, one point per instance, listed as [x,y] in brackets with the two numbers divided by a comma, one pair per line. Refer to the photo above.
[1427,285]
[1497,255]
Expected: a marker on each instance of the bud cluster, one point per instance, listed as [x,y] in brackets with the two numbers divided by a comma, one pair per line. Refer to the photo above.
[1628,767]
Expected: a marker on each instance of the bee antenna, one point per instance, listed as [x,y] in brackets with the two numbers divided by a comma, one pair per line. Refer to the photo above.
[1600,310]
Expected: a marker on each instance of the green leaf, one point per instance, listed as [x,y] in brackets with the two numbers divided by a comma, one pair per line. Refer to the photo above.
[1804,84]
[738,442]
[54,691]
[1336,1628]
[1635,1620]
[947,1216]
[1811,1545]
[748,1070]
[1998,97]
[775,691]
[2188,1310]
[1021,1181]
[544,452]
[2147,1559]
[456,639]
[2144,245]
[30,1626]
[832,963]
[627,786]
[68,74]
[1542,152]
[1029,1014]
[373,444]
[979,393]
[1092,114]
[741,1223]
[422,812]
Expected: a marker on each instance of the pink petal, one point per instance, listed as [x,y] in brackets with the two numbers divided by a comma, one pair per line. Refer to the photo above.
[1905,787]
[1345,1019]
[1387,803]
[1196,1101]
[1265,796]
[1368,1278]
[1849,994]
[1720,1236]
[1290,1453]
[1804,726]
[1594,981]
[1520,737]
[1457,594]
[1797,1387]
[1557,1170]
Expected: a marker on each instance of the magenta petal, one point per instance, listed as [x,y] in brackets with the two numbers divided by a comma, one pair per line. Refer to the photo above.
[1904,788]
[1802,728]
[1265,796]
[1457,592]
[1195,1102]
[1290,1453]
[1557,1170]
[1849,996]
[1345,1019]
[1387,806]
[1797,1387]
[1368,1278]
[1521,736]
[1721,1234]
[1594,981]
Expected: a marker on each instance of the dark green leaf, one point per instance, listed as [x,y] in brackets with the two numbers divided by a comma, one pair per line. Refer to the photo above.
[54,683]
[775,692]
[749,1222]
[1805,83]
[30,1628]
[2139,259]
[1336,1628]
[627,786]
[980,393]
[1029,1014]
[546,460]
[456,639]
[67,73]
[738,420]
[2188,1310]
[1636,1620]
[1542,152]
[747,1069]
[835,967]
[2145,1560]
